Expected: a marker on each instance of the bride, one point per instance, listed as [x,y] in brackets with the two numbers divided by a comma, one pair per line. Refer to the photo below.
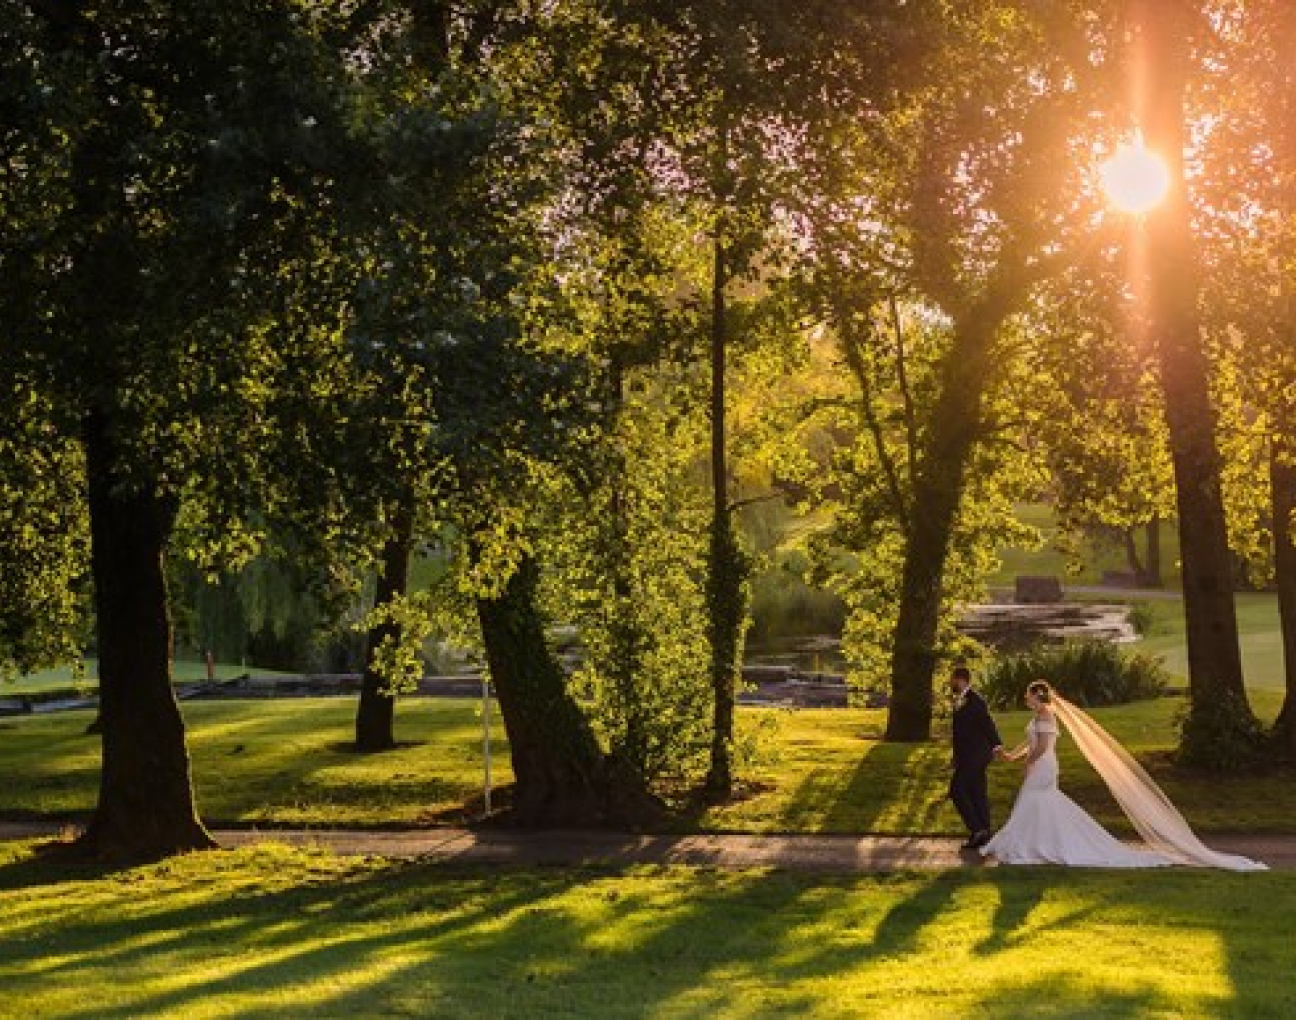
[1047,827]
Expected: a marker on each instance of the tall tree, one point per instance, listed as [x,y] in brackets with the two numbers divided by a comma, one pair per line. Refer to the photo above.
[1220,723]
[158,154]
[947,200]
[429,112]
[506,417]
[1246,205]
[703,103]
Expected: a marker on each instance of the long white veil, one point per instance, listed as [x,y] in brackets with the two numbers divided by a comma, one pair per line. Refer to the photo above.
[1157,820]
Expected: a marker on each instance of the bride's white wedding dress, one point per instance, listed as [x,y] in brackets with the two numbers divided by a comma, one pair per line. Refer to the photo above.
[1047,827]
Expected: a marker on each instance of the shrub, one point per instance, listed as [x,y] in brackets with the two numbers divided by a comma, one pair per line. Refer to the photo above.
[1142,618]
[1086,672]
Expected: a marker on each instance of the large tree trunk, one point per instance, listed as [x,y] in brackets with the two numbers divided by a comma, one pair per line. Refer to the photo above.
[1220,726]
[1282,491]
[937,491]
[726,567]
[146,803]
[562,776]
[375,713]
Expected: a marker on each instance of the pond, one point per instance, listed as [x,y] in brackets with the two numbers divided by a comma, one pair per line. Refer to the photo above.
[1008,626]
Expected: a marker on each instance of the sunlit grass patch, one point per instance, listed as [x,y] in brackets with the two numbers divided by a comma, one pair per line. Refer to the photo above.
[276,932]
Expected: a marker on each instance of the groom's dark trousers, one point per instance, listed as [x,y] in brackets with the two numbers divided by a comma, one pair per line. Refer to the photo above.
[975,737]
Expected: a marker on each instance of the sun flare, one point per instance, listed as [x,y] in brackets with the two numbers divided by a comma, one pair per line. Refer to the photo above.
[1135,178]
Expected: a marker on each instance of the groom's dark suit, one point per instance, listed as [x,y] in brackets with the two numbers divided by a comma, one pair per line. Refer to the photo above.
[975,738]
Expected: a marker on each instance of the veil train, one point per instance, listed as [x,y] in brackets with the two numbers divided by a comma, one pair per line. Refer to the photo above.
[1157,820]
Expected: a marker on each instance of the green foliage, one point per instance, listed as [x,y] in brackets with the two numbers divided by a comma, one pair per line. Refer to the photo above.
[1143,618]
[277,612]
[1090,673]
[399,660]
[867,485]
[44,543]
[727,593]
[930,229]
[176,180]
[628,557]
[784,605]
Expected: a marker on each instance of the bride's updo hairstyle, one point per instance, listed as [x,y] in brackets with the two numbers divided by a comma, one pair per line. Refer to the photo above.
[1041,690]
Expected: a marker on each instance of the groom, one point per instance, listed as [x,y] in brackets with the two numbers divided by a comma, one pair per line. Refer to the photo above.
[976,744]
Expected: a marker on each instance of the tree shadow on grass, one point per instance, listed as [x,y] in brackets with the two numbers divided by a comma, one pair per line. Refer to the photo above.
[51,861]
[432,939]
[892,788]
[1008,927]
[302,933]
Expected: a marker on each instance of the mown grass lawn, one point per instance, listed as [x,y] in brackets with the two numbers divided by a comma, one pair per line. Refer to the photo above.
[272,932]
[285,763]
[1092,557]
[1258,634]
[85,678]
[281,762]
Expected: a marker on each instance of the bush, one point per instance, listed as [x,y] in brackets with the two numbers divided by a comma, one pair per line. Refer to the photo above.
[1087,672]
[1142,618]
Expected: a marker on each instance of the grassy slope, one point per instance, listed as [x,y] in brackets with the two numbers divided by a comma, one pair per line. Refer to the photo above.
[273,932]
[1258,632]
[284,763]
[1257,612]
[1094,558]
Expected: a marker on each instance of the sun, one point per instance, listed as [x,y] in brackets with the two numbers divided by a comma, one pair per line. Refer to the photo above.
[1135,179]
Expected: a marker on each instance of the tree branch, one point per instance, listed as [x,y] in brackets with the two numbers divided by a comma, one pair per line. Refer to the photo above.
[902,378]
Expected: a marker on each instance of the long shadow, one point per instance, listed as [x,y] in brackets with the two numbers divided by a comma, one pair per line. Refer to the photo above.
[1008,927]
[426,939]
[51,863]
[694,939]
[892,787]
[275,936]
[904,923]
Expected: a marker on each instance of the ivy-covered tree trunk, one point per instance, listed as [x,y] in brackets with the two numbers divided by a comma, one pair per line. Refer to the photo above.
[146,804]
[562,776]
[937,492]
[727,602]
[1220,728]
[1282,491]
[626,638]
[727,566]
[375,713]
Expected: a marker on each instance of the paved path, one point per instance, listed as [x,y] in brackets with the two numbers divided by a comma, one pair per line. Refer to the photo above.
[824,854]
